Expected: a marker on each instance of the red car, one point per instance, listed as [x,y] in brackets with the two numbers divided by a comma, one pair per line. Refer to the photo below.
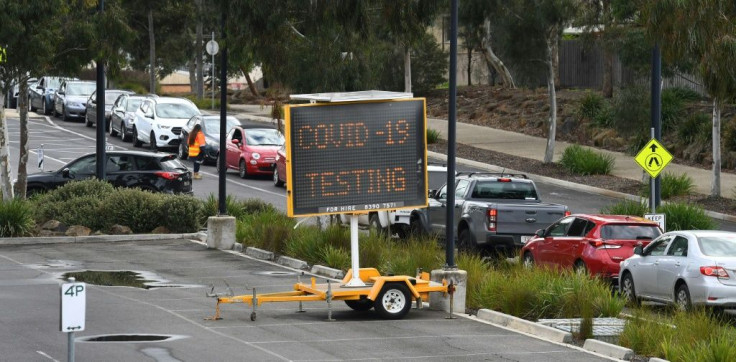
[252,150]
[279,172]
[590,243]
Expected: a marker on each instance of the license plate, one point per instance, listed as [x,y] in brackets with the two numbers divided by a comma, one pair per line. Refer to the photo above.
[186,183]
[525,238]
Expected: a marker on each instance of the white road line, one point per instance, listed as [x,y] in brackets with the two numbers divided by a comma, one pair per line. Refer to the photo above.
[47,356]
[245,185]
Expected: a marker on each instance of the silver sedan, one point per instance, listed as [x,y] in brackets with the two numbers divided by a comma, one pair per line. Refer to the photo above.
[685,268]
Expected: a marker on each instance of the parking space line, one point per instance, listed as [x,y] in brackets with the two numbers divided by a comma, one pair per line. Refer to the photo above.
[47,356]
[244,185]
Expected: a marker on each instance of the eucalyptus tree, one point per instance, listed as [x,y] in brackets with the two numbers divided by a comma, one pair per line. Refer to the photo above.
[475,18]
[702,32]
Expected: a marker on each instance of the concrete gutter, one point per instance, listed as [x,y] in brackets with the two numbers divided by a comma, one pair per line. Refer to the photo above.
[95,239]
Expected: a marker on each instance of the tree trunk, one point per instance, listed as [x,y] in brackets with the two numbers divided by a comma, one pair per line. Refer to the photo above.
[715,189]
[152,52]
[556,60]
[607,87]
[551,134]
[470,66]
[199,86]
[407,70]
[192,68]
[251,85]
[20,184]
[6,188]
[493,60]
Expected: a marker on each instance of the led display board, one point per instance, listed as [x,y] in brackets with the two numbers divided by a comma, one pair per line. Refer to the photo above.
[356,157]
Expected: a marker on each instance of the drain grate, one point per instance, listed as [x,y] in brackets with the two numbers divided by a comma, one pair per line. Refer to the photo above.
[129,338]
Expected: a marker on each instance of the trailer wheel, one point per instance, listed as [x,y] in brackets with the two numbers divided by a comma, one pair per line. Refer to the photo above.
[253,316]
[393,302]
[360,305]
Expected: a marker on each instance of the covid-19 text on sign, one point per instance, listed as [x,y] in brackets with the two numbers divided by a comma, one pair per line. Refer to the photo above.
[356,157]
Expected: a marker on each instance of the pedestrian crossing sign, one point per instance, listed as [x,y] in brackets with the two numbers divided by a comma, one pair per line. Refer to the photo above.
[653,158]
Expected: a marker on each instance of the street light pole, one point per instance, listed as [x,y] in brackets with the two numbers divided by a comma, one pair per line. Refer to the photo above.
[100,117]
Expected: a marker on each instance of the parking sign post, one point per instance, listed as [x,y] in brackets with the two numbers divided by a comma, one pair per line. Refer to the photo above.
[73,310]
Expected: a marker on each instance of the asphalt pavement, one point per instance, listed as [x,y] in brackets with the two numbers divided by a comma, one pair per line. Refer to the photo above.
[175,306]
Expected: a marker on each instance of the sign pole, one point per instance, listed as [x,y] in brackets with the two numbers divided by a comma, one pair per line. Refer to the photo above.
[355,281]
[652,187]
[212,78]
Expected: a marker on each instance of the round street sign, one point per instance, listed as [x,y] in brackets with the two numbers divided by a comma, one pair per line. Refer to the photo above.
[212,47]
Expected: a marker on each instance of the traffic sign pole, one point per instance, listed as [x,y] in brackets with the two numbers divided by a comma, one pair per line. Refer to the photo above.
[652,187]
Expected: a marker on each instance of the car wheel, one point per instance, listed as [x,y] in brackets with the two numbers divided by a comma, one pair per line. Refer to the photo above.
[124,133]
[528,259]
[276,181]
[393,302]
[182,155]
[136,141]
[415,226]
[113,132]
[56,114]
[87,122]
[374,223]
[32,108]
[682,297]
[628,291]
[46,108]
[242,169]
[152,143]
[579,267]
[360,305]
[217,166]
[465,241]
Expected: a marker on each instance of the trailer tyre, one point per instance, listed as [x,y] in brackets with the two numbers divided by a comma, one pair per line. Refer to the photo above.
[360,305]
[393,302]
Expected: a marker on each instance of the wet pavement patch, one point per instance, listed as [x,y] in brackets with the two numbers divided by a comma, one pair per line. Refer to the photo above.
[129,338]
[123,278]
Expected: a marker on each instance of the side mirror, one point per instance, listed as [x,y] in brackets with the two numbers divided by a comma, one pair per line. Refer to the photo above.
[236,141]
[65,173]
[539,233]
[39,87]
[638,249]
[432,193]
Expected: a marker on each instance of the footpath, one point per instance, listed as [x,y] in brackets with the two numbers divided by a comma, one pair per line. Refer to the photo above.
[531,147]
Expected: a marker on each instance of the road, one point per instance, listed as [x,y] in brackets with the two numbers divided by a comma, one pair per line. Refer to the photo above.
[30,297]
[65,141]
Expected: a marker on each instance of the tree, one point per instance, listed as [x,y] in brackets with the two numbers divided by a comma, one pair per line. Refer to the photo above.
[532,30]
[475,17]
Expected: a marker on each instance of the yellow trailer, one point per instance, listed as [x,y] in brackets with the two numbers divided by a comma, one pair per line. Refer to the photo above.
[390,296]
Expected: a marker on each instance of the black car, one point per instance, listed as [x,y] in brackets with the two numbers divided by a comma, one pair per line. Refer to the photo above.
[211,130]
[156,172]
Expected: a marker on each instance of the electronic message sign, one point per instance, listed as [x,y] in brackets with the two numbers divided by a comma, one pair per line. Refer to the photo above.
[356,157]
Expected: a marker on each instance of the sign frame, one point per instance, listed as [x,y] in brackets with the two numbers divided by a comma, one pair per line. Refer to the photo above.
[293,198]
[660,219]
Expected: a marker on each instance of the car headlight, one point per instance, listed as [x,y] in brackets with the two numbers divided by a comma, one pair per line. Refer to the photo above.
[256,155]
[161,126]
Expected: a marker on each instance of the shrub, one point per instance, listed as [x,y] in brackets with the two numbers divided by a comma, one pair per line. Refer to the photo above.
[139,210]
[375,250]
[335,257]
[626,207]
[696,128]
[590,105]
[477,270]
[82,210]
[683,216]
[205,102]
[91,187]
[16,218]
[584,161]
[233,206]
[631,111]
[267,230]
[673,109]
[180,213]
[683,93]
[422,253]
[305,243]
[672,185]
[433,136]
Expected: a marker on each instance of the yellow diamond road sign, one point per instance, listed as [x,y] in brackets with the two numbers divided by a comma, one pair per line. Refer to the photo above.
[653,158]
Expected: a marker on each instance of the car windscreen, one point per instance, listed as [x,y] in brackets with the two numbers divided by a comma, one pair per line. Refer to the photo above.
[629,232]
[720,245]
[437,179]
[133,104]
[172,164]
[110,97]
[212,125]
[504,190]
[263,137]
[52,83]
[175,110]
[80,89]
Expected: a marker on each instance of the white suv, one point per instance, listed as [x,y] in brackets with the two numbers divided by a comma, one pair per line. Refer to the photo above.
[158,121]
[399,221]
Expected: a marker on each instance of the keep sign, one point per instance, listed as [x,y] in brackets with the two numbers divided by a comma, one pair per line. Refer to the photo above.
[73,306]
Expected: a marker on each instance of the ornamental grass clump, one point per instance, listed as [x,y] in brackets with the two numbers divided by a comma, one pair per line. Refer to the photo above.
[16,218]
[626,207]
[583,161]
[684,216]
[671,186]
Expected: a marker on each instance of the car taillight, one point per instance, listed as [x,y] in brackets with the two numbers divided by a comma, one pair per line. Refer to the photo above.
[567,213]
[167,175]
[713,271]
[600,244]
[492,214]
[503,179]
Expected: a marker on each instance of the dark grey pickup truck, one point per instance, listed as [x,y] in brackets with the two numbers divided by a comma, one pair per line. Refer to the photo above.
[493,211]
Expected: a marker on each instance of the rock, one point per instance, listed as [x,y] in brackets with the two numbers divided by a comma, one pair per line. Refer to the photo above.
[54,225]
[118,229]
[161,230]
[78,230]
